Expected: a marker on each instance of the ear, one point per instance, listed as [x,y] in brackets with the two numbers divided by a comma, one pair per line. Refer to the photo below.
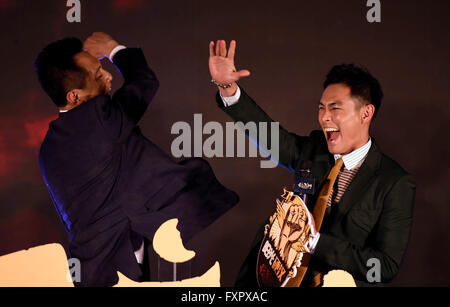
[367,113]
[73,97]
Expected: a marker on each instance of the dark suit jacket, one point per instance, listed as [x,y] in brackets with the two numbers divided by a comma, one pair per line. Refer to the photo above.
[106,179]
[372,220]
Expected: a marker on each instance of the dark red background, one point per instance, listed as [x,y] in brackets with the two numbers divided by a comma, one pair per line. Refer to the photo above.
[289,46]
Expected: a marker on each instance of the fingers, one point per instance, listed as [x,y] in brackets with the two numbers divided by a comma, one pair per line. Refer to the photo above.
[223,49]
[292,214]
[94,37]
[240,74]
[232,49]
[243,73]
[218,48]
[211,49]
[101,35]
[99,44]
[298,218]
[295,216]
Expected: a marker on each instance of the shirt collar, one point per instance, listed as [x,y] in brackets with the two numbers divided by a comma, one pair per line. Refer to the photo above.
[354,158]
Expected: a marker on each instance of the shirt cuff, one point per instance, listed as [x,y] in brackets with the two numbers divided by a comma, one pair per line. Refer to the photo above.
[140,254]
[229,101]
[114,51]
[312,243]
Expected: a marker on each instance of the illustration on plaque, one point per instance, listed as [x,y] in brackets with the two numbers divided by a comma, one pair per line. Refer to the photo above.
[286,236]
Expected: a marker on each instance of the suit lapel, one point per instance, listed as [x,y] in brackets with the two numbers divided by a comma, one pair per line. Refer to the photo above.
[321,168]
[363,179]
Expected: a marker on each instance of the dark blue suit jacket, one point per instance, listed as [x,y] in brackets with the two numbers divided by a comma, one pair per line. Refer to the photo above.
[106,179]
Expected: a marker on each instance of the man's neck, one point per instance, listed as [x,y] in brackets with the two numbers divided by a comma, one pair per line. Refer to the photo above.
[70,106]
[355,157]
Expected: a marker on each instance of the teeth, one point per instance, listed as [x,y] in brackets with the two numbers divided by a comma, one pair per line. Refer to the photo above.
[331,130]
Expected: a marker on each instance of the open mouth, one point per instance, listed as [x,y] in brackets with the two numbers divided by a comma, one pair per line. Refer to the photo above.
[332,134]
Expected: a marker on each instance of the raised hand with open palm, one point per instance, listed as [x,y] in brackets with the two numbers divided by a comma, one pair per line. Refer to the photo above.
[222,68]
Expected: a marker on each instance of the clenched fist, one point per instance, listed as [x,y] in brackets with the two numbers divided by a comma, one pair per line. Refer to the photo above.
[100,45]
[296,218]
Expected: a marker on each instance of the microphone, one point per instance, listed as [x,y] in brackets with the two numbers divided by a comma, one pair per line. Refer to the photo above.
[304,181]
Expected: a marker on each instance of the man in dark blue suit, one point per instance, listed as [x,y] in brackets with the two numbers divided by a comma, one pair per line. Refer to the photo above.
[112,186]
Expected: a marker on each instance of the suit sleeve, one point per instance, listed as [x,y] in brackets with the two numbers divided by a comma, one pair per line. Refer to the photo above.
[292,148]
[389,242]
[121,115]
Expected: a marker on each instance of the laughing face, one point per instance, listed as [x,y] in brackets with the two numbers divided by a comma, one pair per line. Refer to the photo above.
[344,119]
[99,79]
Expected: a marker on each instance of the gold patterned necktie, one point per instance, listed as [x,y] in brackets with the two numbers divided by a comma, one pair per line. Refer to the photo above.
[318,214]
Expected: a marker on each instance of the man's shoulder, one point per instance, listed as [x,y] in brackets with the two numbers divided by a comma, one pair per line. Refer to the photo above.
[83,117]
[391,171]
[76,130]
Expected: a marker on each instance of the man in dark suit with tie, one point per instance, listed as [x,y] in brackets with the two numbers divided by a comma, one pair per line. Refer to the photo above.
[111,186]
[368,217]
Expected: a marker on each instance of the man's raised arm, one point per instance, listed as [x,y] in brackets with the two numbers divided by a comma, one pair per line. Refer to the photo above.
[241,108]
[140,82]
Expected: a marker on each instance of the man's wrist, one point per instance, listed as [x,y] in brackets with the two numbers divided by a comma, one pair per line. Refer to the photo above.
[229,92]
[114,51]
[230,96]
[110,45]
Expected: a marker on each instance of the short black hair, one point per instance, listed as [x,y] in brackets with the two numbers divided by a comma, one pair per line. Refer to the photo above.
[57,71]
[362,84]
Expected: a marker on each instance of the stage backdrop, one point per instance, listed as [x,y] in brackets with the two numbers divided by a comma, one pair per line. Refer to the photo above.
[288,46]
